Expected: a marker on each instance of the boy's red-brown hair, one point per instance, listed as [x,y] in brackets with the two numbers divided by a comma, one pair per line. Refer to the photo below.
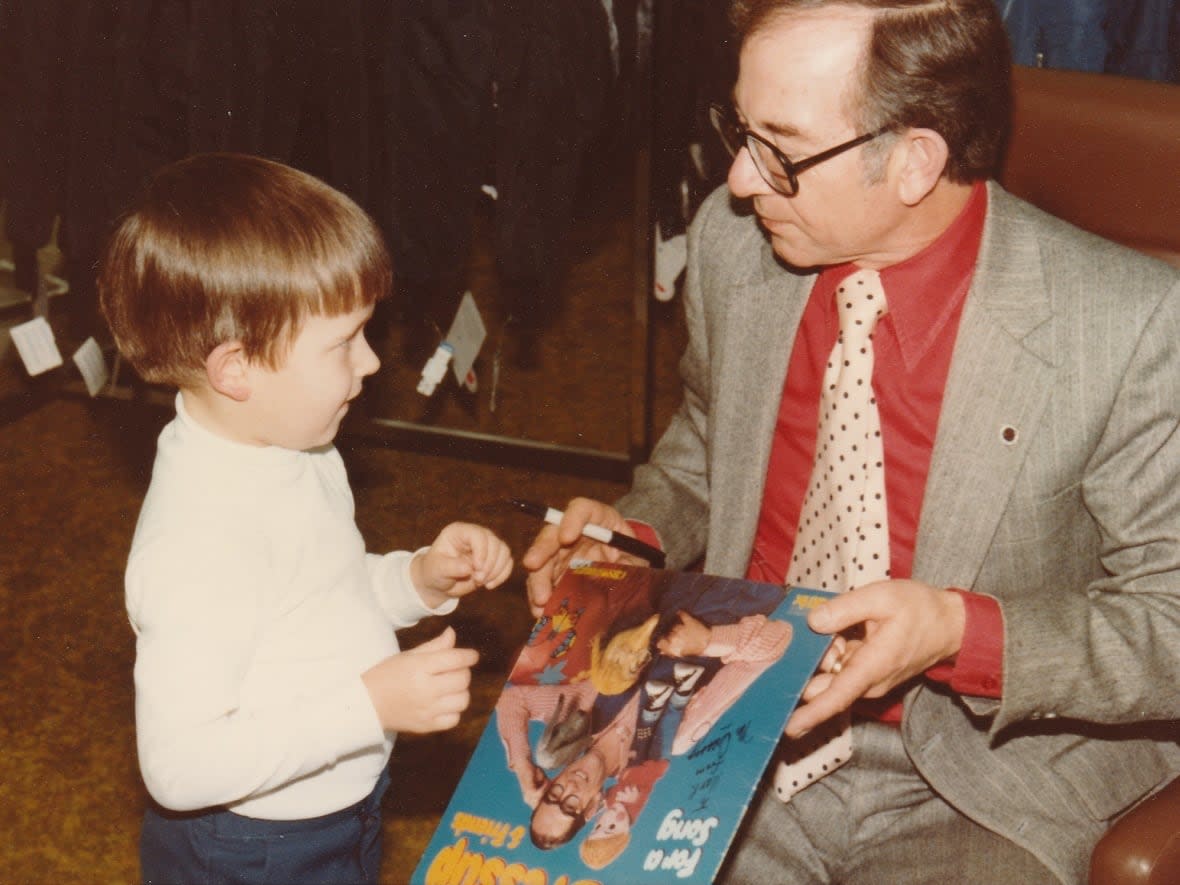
[224,247]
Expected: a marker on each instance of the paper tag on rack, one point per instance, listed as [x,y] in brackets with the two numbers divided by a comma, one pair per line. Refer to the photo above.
[93,366]
[36,345]
[671,258]
[466,337]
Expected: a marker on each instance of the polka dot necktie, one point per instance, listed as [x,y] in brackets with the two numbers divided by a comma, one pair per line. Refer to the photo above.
[843,536]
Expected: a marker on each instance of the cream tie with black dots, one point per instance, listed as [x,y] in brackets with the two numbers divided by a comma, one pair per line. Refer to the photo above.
[843,536]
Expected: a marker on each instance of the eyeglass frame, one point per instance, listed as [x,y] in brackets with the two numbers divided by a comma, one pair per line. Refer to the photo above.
[561,800]
[721,116]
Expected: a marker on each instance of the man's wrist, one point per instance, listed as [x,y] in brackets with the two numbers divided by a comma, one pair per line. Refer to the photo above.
[957,617]
[977,669]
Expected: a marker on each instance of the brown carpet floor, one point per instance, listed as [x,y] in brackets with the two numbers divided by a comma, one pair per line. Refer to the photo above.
[72,474]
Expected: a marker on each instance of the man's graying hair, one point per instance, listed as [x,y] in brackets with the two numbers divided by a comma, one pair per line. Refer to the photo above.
[943,65]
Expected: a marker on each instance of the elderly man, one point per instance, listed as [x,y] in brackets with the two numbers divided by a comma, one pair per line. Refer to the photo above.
[991,477]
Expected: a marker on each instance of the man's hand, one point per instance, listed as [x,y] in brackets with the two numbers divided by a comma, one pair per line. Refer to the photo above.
[555,545]
[908,628]
[423,689]
[462,558]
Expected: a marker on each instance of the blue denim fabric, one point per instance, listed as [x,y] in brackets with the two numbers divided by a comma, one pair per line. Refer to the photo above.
[1143,37]
[1066,34]
[1134,38]
[218,847]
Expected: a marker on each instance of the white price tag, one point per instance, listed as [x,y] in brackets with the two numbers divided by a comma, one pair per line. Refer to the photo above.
[93,366]
[671,258]
[466,336]
[36,345]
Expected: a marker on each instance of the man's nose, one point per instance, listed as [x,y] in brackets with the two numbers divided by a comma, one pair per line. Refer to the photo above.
[744,179]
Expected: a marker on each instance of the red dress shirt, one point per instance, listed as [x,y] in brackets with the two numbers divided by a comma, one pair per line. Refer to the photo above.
[912,347]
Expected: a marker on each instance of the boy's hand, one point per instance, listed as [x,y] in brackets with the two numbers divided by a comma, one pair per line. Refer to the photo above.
[423,689]
[462,558]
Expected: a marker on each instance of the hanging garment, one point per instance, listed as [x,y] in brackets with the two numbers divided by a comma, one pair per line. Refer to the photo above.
[508,94]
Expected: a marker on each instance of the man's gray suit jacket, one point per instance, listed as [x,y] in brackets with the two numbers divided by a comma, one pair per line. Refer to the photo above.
[1054,487]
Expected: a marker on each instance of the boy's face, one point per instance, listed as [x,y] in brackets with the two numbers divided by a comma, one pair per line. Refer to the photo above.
[300,405]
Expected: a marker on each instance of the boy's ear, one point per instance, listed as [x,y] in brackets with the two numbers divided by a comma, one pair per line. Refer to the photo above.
[227,367]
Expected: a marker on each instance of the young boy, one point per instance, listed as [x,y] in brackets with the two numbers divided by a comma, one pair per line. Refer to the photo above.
[268,680]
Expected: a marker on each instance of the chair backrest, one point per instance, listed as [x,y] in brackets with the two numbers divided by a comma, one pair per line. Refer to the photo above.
[1100,151]
[1104,153]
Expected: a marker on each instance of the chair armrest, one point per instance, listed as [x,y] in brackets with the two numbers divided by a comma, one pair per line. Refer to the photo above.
[1143,847]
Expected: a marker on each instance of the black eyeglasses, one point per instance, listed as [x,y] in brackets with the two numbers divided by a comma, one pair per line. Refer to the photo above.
[569,803]
[775,167]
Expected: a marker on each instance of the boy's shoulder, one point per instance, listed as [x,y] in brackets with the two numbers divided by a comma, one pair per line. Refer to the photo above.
[208,487]
[195,489]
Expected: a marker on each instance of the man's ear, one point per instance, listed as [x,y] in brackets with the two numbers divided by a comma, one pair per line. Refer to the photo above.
[227,369]
[921,156]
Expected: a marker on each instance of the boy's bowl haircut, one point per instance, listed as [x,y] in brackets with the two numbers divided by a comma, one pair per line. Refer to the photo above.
[225,247]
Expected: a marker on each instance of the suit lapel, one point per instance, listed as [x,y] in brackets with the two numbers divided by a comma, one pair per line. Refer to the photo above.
[1000,380]
[759,328]
[999,384]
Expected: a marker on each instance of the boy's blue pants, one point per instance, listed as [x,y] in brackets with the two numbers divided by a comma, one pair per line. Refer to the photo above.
[219,847]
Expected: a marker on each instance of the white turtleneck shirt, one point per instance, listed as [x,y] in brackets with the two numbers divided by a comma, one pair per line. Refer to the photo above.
[256,610]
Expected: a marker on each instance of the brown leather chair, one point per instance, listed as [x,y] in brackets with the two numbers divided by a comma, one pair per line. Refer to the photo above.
[1100,151]
[1104,153]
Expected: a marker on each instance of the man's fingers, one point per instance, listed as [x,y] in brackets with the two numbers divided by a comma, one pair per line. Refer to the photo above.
[545,545]
[816,686]
[870,602]
[539,585]
[829,694]
[814,713]
[834,615]
[834,654]
[581,511]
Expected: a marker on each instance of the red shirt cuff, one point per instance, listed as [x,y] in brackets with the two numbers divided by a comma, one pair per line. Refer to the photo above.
[978,668]
[645,533]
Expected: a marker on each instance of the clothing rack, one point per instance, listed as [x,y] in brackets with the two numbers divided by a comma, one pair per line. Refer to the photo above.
[458,442]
